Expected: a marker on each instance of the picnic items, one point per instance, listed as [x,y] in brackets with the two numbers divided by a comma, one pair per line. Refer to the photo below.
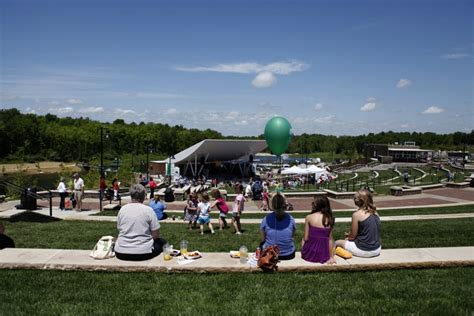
[183,247]
[167,249]
[343,253]
[243,254]
[269,258]
[192,255]
[234,254]
[104,248]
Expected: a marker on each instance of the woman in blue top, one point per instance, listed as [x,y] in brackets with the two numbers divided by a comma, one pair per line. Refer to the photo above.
[278,228]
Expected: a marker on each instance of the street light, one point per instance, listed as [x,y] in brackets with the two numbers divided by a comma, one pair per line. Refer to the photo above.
[101,168]
[169,167]
[149,149]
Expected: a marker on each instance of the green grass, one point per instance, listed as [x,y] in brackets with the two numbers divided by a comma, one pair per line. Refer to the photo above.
[393,212]
[419,292]
[84,235]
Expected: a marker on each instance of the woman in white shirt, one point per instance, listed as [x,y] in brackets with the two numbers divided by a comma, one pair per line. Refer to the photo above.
[62,194]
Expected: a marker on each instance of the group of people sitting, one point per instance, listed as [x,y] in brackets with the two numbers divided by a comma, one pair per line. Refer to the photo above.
[139,237]
[363,240]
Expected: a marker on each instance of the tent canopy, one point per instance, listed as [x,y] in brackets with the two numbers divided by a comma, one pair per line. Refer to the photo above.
[219,150]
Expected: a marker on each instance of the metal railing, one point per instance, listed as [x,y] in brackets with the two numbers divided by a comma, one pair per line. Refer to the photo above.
[21,190]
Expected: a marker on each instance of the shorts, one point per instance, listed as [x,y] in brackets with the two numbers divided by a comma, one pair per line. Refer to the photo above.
[204,220]
[235,215]
[223,215]
[352,248]
[78,195]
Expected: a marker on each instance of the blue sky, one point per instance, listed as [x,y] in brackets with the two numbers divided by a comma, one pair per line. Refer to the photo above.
[330,67]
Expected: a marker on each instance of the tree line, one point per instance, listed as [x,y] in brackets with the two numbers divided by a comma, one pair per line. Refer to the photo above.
[31,138]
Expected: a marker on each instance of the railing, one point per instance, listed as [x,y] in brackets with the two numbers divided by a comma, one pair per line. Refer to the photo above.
[18,189]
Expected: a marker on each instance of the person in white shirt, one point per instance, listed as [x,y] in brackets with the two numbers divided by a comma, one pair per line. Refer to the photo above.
[62,194]
[138,229]
[78,191]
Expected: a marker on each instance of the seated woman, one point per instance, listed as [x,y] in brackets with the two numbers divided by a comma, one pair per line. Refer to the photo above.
[317,242]
[364,238]
[278,228]
[138,229]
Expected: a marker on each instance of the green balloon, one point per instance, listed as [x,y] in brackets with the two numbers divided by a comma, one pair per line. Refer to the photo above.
[278,134]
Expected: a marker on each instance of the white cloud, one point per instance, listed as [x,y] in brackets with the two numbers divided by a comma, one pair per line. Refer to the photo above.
[171,111]
[433,110]
[54,102]
[125,111]
[264,79]
[318,107]
[74,101]
[403,83]
[91,109]
[63,110]
[406,125]
[279,68]
[325,119]
[370,105]
[455,56]
[30,111]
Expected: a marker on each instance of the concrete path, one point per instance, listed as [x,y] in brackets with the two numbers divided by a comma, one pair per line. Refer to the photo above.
[79,260]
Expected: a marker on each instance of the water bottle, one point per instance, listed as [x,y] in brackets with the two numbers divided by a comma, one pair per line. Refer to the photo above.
[243,254]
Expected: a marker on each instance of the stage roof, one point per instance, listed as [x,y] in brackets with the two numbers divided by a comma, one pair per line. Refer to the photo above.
[219,150]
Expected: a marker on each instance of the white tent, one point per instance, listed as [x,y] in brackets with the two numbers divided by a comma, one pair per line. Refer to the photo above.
[295,170]
[315,169]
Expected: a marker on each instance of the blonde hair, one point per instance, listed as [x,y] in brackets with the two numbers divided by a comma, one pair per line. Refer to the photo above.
[363,199]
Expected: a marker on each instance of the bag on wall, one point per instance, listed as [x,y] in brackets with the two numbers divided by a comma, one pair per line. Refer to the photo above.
[104,248]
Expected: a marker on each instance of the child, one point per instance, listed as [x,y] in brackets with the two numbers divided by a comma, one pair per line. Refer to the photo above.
[204,217]
[265,199]
[317,243]
[238,208]
[191,210]
[221,205]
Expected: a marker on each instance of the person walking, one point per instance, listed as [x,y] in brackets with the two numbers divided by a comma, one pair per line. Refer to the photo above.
[62,194]
[78,191]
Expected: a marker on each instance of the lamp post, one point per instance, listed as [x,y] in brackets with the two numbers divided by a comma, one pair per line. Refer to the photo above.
[149,149]
[101,168]
[169,167]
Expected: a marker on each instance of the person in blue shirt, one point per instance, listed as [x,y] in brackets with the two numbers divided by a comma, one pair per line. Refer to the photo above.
[158,207]
[278,228]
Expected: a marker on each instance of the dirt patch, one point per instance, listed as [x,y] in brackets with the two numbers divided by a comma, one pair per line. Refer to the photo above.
[40,167]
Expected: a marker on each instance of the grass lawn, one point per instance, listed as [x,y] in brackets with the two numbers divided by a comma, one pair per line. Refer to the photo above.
[84,235]
[413,211]
[420,292]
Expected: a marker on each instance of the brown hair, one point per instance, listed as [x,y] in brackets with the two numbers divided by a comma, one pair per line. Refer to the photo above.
[216,193]
[363,199]
[321,204]
[278,202]
[205,196]
[239,188]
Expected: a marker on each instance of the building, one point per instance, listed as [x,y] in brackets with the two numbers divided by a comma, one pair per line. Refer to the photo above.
[212,156]
[407,152]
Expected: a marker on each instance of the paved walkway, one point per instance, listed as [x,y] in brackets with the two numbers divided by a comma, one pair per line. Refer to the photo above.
[86,216]
[58,259]
[432,198]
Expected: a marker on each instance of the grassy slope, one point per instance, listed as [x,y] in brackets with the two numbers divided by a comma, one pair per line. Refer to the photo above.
[437,291]
[84,235]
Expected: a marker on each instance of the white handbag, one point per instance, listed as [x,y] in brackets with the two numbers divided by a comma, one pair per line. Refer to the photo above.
[104,248]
